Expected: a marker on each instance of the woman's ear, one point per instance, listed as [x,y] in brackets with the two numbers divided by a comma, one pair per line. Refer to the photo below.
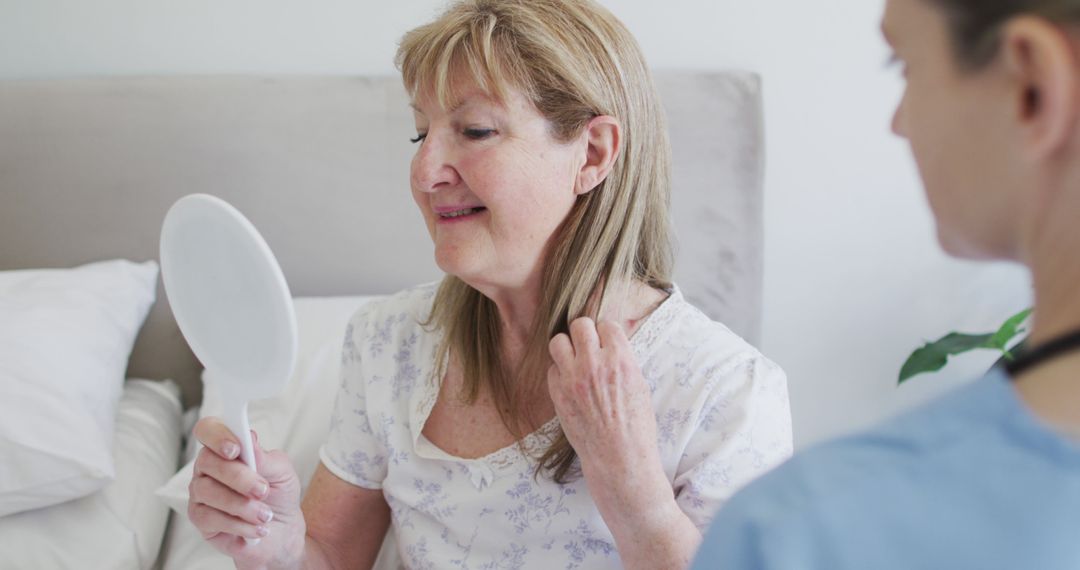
[1043,72]
[603,136]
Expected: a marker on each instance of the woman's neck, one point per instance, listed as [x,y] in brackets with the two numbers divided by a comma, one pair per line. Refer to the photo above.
[631,304]
[628,305]
[516,303]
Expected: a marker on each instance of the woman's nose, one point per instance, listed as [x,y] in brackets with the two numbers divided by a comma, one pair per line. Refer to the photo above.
[432,166]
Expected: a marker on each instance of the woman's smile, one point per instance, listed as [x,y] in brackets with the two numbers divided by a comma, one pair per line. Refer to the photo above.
[457,214]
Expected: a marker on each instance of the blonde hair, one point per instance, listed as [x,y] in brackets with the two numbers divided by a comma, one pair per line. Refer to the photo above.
[574,61]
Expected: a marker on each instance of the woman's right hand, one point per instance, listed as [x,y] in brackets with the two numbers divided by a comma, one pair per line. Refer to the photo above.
[229,502]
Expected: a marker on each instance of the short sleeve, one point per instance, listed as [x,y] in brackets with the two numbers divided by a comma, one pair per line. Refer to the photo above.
[355,450]
[744,430]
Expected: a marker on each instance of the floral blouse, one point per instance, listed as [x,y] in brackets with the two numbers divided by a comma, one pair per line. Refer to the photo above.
[722,419]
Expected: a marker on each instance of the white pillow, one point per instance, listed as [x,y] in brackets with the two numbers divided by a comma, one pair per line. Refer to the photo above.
[298,420]
[65,338]
[120,526]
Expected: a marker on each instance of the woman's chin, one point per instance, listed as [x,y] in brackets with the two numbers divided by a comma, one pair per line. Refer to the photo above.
[456,264]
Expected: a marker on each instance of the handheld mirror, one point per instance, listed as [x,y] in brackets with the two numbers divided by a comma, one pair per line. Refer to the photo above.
[232,304]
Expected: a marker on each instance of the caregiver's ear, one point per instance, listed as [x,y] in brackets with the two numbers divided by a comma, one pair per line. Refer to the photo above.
[1044,73]
[603,137]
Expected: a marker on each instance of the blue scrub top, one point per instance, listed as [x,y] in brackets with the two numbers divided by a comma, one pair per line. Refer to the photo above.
[971,481]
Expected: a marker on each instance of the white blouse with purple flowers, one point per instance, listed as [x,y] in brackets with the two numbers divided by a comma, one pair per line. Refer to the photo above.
[722,419]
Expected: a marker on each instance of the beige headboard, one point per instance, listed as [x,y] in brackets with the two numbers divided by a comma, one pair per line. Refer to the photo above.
[88,168]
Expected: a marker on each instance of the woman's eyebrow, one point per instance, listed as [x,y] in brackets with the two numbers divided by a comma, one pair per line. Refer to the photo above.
[464,104]
[457,106]
[452,110]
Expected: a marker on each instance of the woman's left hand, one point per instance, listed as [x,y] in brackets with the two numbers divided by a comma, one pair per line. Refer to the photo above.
[605,408]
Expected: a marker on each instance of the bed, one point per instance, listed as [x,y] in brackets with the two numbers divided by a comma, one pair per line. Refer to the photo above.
[88,168]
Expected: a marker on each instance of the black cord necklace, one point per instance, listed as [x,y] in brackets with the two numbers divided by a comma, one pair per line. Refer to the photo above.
[1051,349]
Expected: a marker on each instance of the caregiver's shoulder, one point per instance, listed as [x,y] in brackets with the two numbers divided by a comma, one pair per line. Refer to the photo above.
[890,464]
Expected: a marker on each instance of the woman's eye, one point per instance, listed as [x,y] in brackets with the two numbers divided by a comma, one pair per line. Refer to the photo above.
[419,137]
[479,134]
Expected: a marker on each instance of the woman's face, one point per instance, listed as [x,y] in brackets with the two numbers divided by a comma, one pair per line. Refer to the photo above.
[956,122]
[492,185]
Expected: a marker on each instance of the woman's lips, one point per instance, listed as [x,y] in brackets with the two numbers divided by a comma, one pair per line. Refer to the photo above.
[458,214]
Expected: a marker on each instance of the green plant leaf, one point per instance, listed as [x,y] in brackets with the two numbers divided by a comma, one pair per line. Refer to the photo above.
[1007,356]
[1009,330]
[926,359]
[934,355]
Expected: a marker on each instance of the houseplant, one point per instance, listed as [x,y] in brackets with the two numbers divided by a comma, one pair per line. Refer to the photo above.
[934,355]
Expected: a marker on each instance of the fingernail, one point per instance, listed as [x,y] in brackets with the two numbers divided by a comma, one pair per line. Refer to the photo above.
[260,489]
[266,515]
[262,531]
[231,450]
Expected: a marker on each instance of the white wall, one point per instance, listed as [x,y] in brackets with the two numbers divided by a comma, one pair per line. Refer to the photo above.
[854,279]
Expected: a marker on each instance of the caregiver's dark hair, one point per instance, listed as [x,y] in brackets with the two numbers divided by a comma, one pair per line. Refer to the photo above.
[974,25]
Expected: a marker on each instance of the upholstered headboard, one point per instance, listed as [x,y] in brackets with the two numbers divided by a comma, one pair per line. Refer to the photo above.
[88,168]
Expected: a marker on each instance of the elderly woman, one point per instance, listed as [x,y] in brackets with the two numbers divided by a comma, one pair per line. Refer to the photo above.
[988,477]
[480,417]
